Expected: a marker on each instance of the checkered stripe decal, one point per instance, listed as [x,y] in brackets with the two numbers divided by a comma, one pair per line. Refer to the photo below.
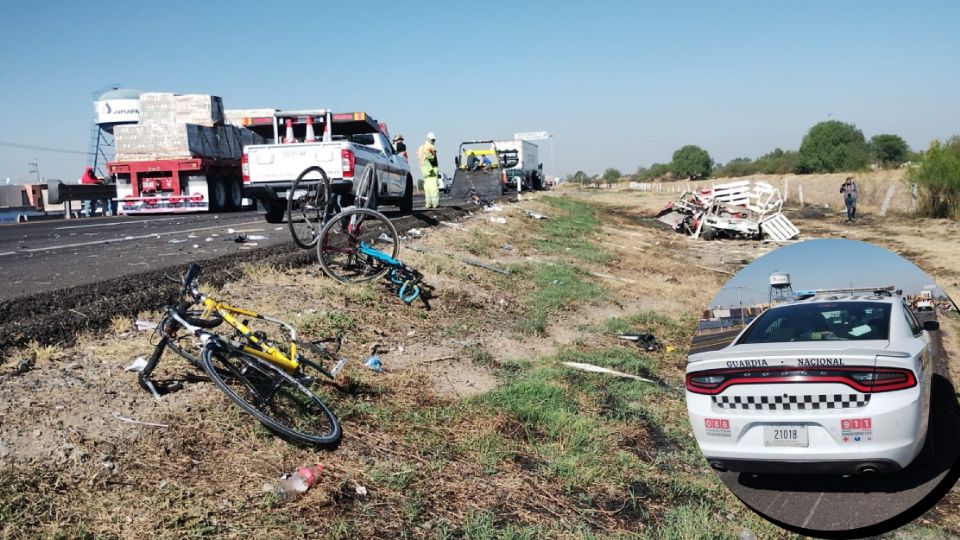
[793,403]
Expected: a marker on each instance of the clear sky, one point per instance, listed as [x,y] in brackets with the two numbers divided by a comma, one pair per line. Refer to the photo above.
[825,264]
[619,83]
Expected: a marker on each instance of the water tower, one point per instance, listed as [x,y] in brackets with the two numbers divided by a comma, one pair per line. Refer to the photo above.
[780,289]
[112,106]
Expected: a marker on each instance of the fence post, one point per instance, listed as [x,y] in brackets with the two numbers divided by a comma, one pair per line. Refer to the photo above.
[886,199]
[914,194]
[800,193]
[786,189]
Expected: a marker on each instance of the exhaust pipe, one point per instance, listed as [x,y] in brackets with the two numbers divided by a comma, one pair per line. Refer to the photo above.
[867,470]
[718,467]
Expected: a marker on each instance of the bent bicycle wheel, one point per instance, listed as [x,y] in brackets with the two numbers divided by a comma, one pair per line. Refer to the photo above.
[348,241]
[307,204]
[278,400]
[366,190]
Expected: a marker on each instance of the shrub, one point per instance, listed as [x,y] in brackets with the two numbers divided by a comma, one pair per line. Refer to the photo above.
[938,178]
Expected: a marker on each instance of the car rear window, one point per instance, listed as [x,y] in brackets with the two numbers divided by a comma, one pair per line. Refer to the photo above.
[821,321]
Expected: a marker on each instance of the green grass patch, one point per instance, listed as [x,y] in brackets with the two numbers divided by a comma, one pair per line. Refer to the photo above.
[557,286]
[568,229]
[327,323]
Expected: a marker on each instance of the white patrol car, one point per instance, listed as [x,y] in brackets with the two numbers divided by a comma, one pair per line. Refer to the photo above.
[829,384]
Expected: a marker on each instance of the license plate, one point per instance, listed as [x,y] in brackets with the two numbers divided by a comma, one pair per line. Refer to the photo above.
[785,435]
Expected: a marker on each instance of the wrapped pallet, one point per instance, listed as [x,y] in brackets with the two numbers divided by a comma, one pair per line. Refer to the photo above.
[237,116]
[167,108]
[177,141]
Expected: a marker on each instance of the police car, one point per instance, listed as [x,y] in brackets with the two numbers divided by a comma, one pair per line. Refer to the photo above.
[829,384]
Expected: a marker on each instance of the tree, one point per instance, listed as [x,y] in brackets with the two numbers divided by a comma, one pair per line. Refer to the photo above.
[691,162]
[832,146]
[736,167]
[611,176]
[579,177]
[658,170]
[889,150]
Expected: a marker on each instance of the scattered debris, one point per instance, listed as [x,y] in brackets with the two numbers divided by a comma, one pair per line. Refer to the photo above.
[208,239]
[23,366]
[297,483]
[719,271]
[374,364]
[615,278]
[414,233]
[140,422]
[455,226]
[644,340]
[741,209]
[240,238]
[360,490]
[535,215]
[492,268]
[143,326]
[138,364]
[256,237]
[498,219]
[506,247]
[175,241]
[439,359]
[597,369]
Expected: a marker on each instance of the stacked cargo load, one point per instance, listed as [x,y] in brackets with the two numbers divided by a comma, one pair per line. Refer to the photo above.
[181,126]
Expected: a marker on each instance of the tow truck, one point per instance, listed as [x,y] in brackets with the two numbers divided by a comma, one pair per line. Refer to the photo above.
[491,168]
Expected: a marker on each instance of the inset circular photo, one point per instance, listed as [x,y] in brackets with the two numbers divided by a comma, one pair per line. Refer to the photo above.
[819,390]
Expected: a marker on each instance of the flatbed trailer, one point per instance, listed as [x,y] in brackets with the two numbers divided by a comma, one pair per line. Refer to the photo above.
[192,184]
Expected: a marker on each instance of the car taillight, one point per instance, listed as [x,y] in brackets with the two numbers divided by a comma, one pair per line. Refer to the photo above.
[349,162]
[886,379]
[861,378]
[245,168]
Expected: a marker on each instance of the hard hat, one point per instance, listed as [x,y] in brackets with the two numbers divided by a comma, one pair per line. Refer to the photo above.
[431,136]
[398,137]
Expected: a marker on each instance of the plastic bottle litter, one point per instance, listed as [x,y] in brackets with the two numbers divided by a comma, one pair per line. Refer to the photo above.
[374,363]
[338,366]
[256,237]
[138,364]
[299,482]
[143,326]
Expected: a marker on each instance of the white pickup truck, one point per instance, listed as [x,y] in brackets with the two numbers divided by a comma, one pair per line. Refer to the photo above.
[344,144]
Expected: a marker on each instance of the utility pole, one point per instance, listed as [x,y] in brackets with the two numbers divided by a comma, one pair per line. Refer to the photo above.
[740,299]
[35,168]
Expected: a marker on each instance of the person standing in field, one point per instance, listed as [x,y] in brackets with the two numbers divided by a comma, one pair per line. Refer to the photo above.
[849,191]
[429,167]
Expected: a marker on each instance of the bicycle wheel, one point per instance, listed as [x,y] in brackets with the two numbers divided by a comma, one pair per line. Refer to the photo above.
[339,247]
[366,191]
[278,400]
[307,204]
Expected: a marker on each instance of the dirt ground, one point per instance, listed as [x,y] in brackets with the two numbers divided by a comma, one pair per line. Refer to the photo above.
[75,464]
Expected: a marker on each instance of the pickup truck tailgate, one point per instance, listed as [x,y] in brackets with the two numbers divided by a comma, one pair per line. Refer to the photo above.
[283,163]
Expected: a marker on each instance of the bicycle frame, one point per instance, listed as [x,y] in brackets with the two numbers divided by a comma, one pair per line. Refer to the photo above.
[265,351]
[400,274]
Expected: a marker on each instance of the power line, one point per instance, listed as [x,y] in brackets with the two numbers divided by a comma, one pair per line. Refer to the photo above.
[42,148]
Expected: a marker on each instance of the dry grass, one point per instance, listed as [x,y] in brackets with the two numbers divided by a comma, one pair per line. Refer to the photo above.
[548,453]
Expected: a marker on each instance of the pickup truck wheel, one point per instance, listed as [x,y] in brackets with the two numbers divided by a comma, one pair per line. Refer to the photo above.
[275,211]
[406,202]
[217,191]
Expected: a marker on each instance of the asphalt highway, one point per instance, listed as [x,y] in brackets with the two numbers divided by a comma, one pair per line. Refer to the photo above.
[55,254]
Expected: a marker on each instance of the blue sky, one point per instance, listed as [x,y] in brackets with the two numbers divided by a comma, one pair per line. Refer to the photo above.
[825,264]
[619,83]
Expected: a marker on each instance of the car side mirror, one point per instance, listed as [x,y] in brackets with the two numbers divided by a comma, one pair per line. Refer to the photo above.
[930,326]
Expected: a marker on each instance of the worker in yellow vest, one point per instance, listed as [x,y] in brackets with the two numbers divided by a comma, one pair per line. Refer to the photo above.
[429,167]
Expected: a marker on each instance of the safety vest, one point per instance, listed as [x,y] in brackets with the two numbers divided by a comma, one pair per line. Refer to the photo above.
[427,154]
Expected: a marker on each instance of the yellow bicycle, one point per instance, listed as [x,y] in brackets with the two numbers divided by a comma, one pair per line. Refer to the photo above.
[270,383]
